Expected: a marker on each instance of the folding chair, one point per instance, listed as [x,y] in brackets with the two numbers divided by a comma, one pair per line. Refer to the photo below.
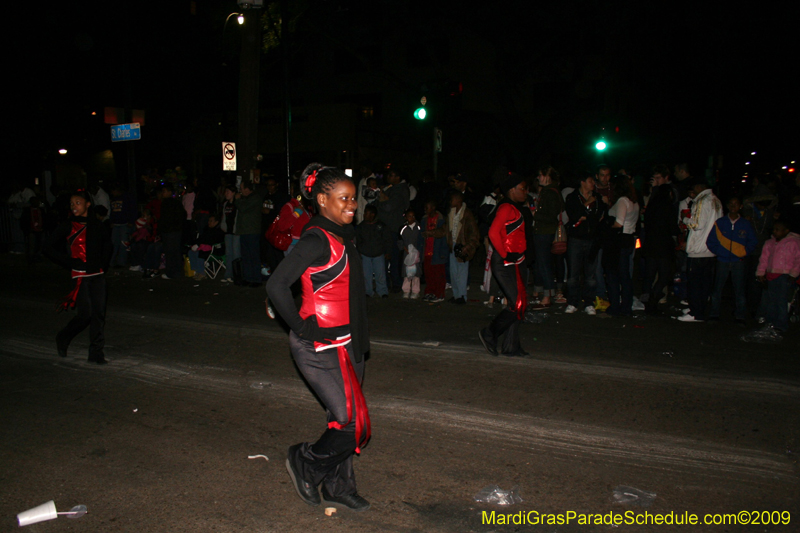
[215,261]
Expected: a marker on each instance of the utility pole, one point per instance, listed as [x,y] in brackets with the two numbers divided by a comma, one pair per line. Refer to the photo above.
[287,105]
[249,77]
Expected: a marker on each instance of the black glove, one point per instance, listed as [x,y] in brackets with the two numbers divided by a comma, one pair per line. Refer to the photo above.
[512,257]
[310,328]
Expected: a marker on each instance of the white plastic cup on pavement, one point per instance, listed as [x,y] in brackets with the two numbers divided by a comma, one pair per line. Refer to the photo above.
[40,513]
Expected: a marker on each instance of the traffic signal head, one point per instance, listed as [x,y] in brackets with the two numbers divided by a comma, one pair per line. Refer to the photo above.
[600,146]
[420,113]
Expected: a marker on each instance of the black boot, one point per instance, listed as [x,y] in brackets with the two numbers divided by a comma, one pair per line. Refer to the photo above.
[353,502]
[307,492]
[487,342]
[62,348]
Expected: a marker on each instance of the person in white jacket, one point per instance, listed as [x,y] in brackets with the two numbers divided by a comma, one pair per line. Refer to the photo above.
[706,209]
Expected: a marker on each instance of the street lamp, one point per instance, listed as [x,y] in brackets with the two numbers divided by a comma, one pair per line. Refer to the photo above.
[239,19]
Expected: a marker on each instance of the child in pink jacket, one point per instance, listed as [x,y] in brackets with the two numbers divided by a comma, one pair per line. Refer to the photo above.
[779,267]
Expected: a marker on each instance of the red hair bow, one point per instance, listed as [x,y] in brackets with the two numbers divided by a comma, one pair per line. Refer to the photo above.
[310,181]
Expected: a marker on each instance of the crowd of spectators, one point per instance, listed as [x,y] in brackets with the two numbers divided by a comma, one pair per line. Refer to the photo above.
[597,242]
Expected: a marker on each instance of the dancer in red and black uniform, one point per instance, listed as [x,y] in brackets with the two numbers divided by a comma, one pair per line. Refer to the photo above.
[83,244]
[328,337]
[507,234]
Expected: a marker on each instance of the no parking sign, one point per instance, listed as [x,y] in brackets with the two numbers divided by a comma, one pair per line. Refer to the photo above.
[228,156]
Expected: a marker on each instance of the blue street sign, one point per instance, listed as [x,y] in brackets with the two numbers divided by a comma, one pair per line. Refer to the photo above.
[126,132]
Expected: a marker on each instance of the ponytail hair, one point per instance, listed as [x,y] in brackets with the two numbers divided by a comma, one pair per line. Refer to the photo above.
[317,178]
[81,193]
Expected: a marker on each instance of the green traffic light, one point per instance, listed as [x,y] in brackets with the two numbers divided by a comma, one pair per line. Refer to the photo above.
[600,146]
[420,113]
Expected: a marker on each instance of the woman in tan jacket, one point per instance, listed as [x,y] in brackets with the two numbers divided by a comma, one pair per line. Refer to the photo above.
[463,240]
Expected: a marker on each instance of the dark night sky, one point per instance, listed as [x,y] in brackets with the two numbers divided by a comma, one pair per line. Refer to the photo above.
[695,79]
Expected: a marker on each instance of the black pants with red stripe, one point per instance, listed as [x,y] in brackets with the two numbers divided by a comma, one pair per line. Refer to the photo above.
[90,305]
[506,323]
[329,460]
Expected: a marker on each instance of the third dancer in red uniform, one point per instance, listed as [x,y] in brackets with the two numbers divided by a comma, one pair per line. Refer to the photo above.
[507,235]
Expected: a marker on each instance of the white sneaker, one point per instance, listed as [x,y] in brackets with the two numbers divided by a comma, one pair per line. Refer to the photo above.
[415,296]
[406,296]
[135,268]
[688,318]
[590,310]
[570,309]
[686,311]
[164,276]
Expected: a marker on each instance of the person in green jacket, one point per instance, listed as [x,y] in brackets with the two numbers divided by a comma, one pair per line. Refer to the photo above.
[248,227]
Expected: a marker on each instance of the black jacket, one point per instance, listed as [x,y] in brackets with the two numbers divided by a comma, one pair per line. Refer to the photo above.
[660,223]
[373,240]
[172,216]
[588,229]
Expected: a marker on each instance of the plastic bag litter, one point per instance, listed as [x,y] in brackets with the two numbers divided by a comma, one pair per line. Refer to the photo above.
[494,494]
[632,496]
[534,317]
[765,335]
[638,305]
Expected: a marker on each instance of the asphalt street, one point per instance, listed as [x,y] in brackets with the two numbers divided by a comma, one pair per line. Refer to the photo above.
[200,379]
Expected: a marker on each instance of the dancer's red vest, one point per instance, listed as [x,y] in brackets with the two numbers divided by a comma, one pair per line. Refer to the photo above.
[515,232]
[326,292]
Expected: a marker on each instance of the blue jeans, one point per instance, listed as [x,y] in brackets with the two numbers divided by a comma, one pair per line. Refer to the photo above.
[251,257]
[599,276]
[120,233]
[774,306]
[197,263]
[459,277]
[581,261]
[737,273]
[543,274]
[233,251]
[375,266]
[620,285]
